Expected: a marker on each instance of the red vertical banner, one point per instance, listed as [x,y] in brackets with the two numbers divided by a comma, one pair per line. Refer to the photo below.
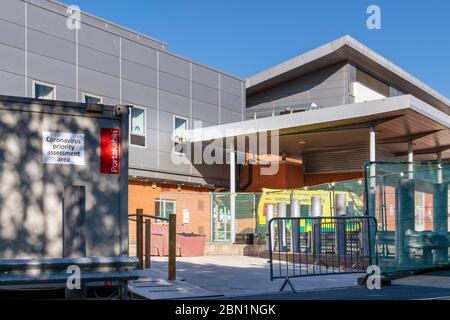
[110,150]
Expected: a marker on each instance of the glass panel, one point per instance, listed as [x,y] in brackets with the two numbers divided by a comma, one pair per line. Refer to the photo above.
[221,217]
[180,125]
[92,100]
[420,211]
[179,132]
[44,92]
[169,208]
[414,234]
[138,121]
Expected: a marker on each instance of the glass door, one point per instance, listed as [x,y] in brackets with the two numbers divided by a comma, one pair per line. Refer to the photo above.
[221,218]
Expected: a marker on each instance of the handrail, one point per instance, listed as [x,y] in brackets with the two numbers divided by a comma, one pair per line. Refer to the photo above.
[148,216]
[142,220]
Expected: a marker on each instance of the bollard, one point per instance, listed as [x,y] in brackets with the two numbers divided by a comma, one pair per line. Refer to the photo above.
[295,235]
[270,233]
[316,238]
[147,243]
[172,246]
[340,205]
[139,238]
[281,228]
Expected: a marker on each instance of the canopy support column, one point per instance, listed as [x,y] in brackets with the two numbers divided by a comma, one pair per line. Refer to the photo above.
[232,191]
[410,159]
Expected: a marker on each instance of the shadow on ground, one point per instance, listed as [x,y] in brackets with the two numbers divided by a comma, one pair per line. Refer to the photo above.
[234,276]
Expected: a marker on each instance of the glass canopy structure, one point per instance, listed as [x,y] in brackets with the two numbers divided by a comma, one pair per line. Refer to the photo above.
[410,202]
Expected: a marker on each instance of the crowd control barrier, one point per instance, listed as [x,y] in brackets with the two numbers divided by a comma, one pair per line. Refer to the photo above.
[314,246]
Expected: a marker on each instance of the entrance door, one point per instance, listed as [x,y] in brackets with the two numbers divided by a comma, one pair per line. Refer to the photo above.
[221,218]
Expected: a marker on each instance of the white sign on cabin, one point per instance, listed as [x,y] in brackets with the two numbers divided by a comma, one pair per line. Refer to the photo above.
[63,148]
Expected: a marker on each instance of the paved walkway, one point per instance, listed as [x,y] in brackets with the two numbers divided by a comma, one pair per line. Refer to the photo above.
[228,277]
[238,275]
[153,285]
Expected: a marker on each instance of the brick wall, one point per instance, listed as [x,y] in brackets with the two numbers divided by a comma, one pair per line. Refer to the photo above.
[291,176]
[142,195]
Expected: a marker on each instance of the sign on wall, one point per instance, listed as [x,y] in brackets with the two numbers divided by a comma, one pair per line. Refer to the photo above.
[110,150]
[63,148]
[186,216]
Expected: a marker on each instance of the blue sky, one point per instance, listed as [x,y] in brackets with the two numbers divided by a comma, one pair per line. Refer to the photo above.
[243,37]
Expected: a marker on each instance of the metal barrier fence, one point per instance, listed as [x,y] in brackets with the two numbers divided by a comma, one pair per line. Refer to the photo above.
[313,246]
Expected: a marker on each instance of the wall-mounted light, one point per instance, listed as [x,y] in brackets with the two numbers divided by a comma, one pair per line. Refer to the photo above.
[154,185]
[302,142]
[179,187]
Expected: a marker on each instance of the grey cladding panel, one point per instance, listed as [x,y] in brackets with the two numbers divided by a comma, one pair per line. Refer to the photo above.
[138,73]
[12,60]
[167,164]
[138,94]
[205,94]
[108,101]
[65,93]
[205,76]
[173,103]
[12,34]
[50,46]
[12,85]
[98,83]
[99,40]
[49,22]
[230,116]
[99,61]
[51,70]
[166,122]
[205,112]
[231,102]
[139,53]
[13,10]
[152,143]
[165,142]
[151,118]
[177,85]
[143,158]
[325,87]
[174,65]
[231,85]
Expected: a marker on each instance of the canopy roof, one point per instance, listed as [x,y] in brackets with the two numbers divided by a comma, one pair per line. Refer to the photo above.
[347,49]
[397,120]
